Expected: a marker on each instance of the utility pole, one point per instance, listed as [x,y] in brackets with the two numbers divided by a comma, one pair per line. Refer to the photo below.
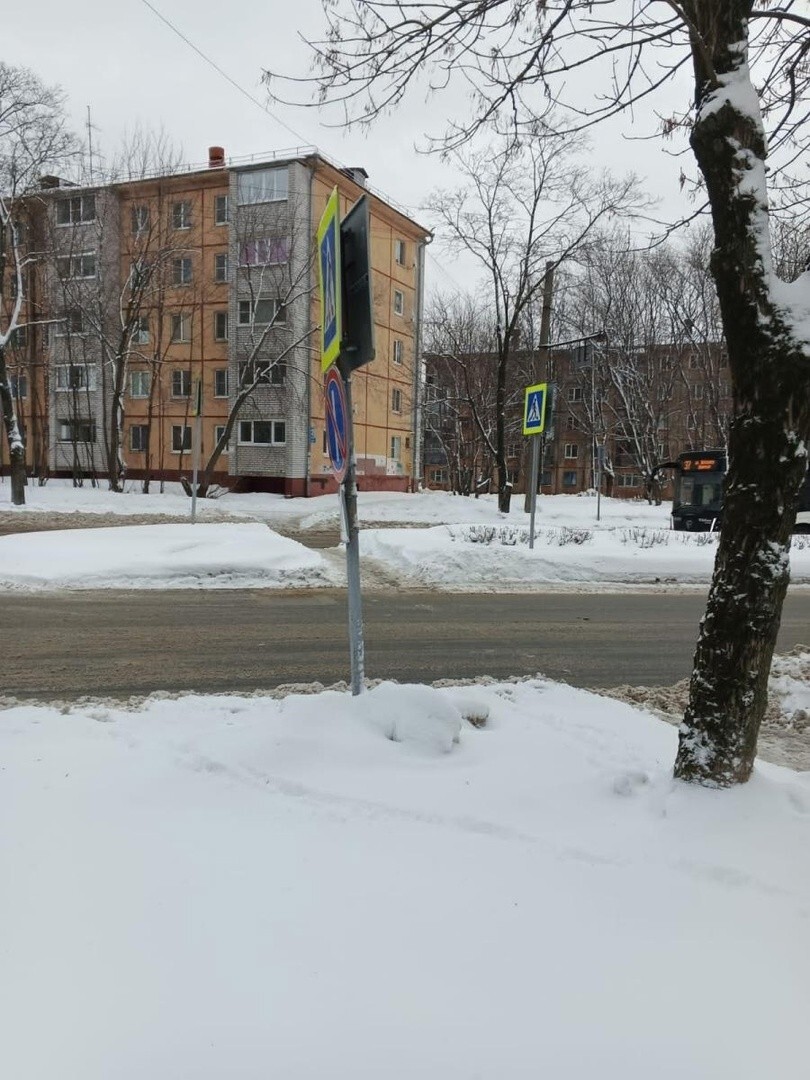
[545,336]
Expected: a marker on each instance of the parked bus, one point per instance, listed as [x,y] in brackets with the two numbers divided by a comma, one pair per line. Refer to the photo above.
[697,502]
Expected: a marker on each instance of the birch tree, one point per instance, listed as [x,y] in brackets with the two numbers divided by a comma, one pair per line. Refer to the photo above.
[749,106]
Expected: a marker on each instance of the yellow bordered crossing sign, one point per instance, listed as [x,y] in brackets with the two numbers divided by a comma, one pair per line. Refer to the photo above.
[330,282]
[534,409]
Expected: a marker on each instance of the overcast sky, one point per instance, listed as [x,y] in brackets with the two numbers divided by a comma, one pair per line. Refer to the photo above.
[119,58]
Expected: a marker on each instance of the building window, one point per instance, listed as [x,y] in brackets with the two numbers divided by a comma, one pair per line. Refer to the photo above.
[75,377]
[262,312]
[574,393]
[512,450]
[181,328]
[219,431]
[221,382]
[262,432]
[396,447]
[570,422]
[438,476]
[399,252]
[18,384]
[140,334]
[181,271]
[399,302]
[397,352]
[220,325]
[74,267]
[262,185]
[265,251]
[628,480]
[181,215]
[140,383]
[570,478]
[221,267]
[273,372]
[571,451]
[140,219]
[396,400]
[697,391]
[181,438]
[139,438]
[72,322]
[19,337]
[181,383]
[76,211]
[76,431]
[221,210]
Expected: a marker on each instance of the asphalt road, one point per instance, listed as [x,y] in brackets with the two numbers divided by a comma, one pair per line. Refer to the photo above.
[122,643]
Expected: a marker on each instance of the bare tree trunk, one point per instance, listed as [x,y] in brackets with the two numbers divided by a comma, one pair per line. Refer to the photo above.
[769,432]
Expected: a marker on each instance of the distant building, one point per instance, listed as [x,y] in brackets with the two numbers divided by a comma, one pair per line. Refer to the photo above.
[210,272]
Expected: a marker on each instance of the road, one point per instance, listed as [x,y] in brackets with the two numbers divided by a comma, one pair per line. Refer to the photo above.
[123,643]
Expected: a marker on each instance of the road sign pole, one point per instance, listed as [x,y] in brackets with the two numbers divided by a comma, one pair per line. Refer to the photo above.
[196,447]
[349,490]
[535,468]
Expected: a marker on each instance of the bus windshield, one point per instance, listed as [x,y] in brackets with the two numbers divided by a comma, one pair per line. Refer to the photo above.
[700,490]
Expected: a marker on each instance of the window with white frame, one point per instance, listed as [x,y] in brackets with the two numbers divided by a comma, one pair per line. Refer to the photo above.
[220,326]
[140,333]
[574,393]
[140,219]
[181,383]
[262,432]
[399,302]
[697,391]
[438,476]
[181,438]
[396,447]
[570,422]
[77,210]
[569,478]
[222,214]
[18,384]
[273,372]
[571,451]
[181,215]
[219,431]
[139,273]
[399,252]
[261,312]
[139,438]
[140,383]
[220,382]
[397,351]
[181,328]
[75,377]
[396,399]
[76,431]
[76,267]
[512,450]
[181,270]
[262,185]
[265,251]
[221,267]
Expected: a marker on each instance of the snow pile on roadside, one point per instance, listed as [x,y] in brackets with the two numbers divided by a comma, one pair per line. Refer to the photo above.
[479,557]
[784,737]
[204,885]
[198,556]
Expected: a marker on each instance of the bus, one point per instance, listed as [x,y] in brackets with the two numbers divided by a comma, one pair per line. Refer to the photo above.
[697,502]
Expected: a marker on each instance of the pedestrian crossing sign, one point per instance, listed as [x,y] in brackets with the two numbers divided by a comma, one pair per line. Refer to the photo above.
[534,409]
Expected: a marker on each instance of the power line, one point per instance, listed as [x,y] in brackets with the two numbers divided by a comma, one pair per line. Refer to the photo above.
[224,74]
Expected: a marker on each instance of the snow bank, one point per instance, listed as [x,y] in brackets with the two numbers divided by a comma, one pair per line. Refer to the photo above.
[246,887]
[159,557]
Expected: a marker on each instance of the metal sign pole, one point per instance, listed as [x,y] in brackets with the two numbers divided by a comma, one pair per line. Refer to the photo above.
[349,491]
[534,476]
[196,448]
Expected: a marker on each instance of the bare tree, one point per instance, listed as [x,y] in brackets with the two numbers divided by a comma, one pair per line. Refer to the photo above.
[526,205]
[33,137]
[751,80]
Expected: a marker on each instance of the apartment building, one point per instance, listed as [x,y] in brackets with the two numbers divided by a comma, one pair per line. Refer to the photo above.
[643,406]
[145,289]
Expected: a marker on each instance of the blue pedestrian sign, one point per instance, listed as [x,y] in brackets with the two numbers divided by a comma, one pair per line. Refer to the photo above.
[337,423]
[329,267]
[534,409]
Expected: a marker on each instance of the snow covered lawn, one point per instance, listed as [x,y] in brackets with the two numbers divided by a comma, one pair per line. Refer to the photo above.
[198,556]
[322,886]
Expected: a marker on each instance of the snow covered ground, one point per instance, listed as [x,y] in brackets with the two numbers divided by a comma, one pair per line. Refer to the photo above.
[322,886]
[478,549]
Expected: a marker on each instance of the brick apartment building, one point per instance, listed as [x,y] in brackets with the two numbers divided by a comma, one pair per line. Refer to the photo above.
[206,275]
[644,407]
